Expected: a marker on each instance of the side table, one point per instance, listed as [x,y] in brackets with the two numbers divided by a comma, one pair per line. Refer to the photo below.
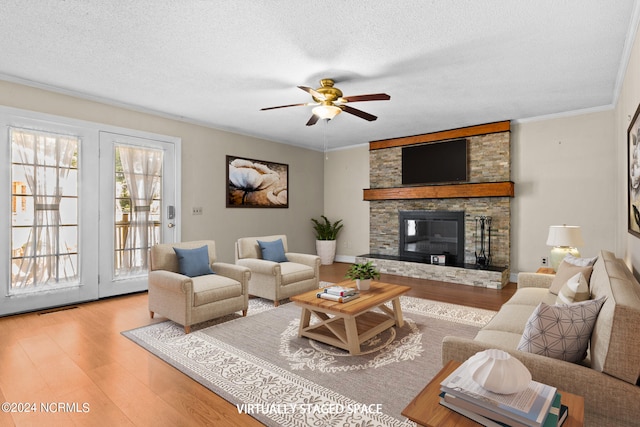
[546,270]
[425,409]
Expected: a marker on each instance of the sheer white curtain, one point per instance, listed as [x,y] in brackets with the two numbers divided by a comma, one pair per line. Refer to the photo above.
[142,169]
[46,160]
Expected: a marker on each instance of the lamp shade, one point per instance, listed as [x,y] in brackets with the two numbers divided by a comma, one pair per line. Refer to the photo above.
[326,111]
[565,235]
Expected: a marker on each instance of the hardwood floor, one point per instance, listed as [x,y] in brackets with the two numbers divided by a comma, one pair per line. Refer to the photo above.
[75,364]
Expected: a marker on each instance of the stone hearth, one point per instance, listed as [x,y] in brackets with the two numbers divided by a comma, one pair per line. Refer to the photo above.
[491,277]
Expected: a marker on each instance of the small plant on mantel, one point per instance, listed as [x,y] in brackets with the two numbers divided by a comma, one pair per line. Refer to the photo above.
[362,273]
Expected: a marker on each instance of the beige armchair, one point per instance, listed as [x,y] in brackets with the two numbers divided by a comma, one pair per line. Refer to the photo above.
[277,280]
[190,300]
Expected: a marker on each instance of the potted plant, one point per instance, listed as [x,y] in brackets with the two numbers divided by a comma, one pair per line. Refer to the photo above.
[326,235]
[362,273]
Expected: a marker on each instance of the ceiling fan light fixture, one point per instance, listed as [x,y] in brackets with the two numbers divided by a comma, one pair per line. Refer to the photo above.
[326,111]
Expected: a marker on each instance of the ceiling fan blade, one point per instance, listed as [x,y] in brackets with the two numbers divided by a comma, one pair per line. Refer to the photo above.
[370,97]
[359,113]
[313,120]
[283,106]
[313,92]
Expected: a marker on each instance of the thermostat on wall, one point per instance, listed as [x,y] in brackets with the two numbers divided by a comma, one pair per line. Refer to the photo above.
[438,259]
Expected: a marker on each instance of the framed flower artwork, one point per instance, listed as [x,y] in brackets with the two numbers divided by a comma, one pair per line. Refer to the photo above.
[633,153]
[256,183]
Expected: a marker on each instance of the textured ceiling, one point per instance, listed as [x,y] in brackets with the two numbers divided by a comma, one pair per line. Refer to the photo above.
[446,64]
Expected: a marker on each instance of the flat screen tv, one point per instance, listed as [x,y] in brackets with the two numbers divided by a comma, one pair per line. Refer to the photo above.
[437,162]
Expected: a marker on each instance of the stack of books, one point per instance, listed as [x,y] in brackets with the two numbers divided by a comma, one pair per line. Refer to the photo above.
[539,405]
[338,293]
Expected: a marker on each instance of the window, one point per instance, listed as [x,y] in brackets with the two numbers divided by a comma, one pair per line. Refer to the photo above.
[44,209]
[138,207]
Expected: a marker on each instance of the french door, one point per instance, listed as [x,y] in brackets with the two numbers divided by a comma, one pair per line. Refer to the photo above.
[82,207]
[137,208]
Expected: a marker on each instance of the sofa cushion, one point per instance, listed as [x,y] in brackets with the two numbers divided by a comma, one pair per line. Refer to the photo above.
[565,272]
[214,287]
[292,272]
[615,343]
[575,289]
[531,297]
[561,331]
[510,318]
[272,251]
[500,339]
[193,262]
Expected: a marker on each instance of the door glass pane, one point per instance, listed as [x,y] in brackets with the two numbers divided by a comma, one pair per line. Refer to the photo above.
[44,210]
[138,208]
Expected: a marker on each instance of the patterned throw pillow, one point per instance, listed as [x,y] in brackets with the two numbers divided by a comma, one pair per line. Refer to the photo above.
[561,331]
[575,289]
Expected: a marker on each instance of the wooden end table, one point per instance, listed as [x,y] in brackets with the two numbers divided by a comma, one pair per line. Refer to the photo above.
[347,325]
[425,409]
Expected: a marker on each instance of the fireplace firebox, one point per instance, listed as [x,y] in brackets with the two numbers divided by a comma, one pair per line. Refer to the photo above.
[427,236]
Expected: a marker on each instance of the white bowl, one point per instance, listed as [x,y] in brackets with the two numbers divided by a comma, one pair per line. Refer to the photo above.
[497,371]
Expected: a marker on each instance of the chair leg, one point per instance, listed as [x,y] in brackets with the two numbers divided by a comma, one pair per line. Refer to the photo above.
[151,313]
[187,329]
[244,313]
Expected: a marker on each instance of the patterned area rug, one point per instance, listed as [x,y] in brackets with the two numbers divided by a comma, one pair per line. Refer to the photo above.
[259,364]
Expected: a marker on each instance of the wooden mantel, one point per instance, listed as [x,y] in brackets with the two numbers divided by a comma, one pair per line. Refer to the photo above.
[470,190]
[465,132]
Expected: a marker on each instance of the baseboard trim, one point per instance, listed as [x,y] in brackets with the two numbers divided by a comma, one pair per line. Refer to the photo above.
[346,258]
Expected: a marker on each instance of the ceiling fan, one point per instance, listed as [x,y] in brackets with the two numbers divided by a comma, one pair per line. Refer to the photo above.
[329,102]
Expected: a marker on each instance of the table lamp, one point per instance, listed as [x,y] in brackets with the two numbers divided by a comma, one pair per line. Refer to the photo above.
[564,240]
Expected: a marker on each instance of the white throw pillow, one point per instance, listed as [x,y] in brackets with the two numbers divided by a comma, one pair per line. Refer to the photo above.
[575,289]
[580,262]
[561,331]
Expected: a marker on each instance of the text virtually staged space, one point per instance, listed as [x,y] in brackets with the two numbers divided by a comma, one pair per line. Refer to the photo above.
[359,214]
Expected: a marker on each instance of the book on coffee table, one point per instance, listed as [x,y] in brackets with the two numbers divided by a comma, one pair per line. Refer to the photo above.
[529,407]
[340,291]
[337,298]
[557,414]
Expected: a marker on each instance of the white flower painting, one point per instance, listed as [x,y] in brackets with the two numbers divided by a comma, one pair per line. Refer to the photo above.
[256,183]
[633,134]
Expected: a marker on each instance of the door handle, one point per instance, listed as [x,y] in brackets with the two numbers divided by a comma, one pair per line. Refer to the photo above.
[171,225]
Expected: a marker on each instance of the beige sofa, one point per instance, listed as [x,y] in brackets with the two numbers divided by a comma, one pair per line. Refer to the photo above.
[608,378]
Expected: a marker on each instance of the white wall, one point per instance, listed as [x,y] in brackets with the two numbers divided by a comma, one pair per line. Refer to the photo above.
[564,173]
[564,170]
[628,102]
[346,174]
[204,152]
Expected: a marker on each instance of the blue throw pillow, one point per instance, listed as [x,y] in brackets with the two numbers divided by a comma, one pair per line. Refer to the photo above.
[273,251]
[194,262]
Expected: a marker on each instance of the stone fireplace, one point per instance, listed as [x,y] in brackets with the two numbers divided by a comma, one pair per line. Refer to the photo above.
[487,193]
